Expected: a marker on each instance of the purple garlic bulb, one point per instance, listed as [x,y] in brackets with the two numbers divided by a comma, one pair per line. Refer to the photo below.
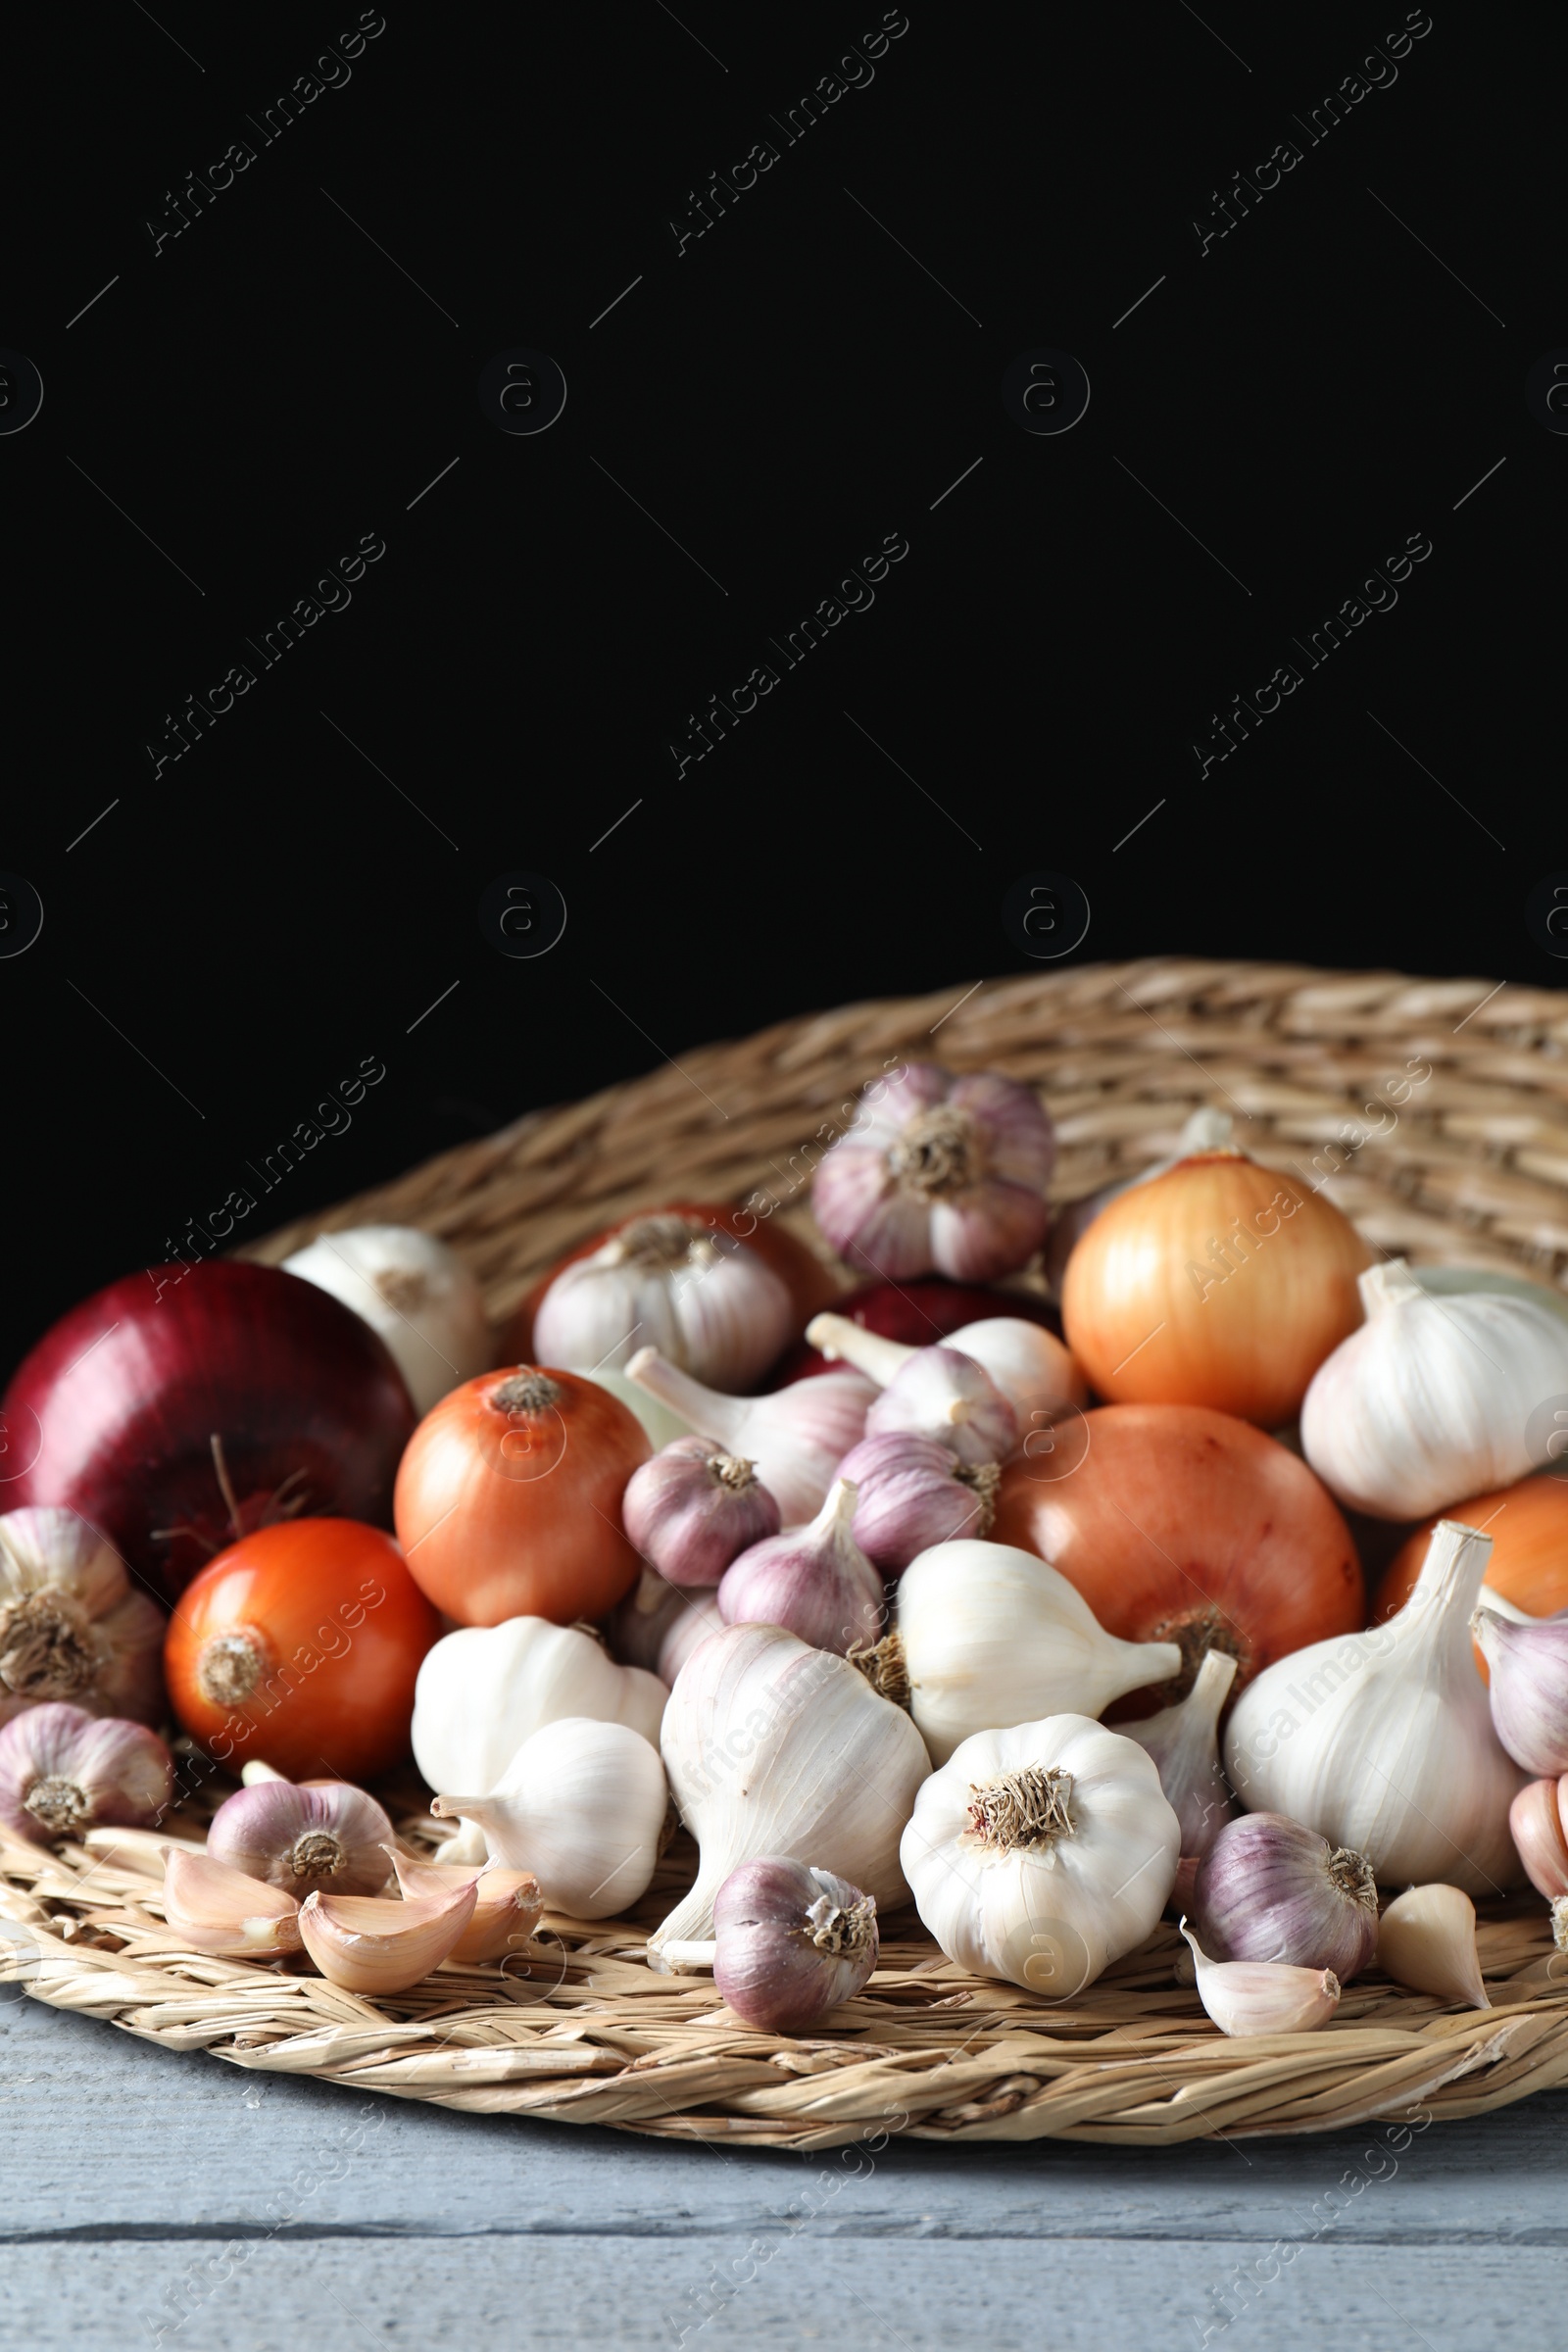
[789,1943]
[814,1581]
[692,1508]
[913,1492]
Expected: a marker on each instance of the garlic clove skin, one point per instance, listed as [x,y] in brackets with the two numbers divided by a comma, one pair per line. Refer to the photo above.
[938,1173]
[1269,1889]
[582,1805]
[1527,1665]
[1383,1741]
[1427,1940]
[482,1691]
[1262,1996]
[1043,1852]
[72,1627]
[706,1301]
[815,1581]
[329,1839]
[912,1492]
[1434,1396]
[796,1438]
[414,1292]
[791,1943]
[1535,1819]
[371,1946]
[942,1394]
[63,1770]
[993,1636]
[773,1747]
[506,1906]
[217,1909]
[659,1625]
[1184,1741]
[692,1509]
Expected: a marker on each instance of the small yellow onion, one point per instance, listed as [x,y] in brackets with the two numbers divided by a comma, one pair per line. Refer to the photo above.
[1221,1283]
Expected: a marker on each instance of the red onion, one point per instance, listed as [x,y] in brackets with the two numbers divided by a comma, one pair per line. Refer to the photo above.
[913,1492]
[121,1404]
[919,1314]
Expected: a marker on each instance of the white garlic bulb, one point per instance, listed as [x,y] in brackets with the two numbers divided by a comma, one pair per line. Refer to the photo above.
[992,1636]
[776,1748]
[485,1689]
[1029,1364]
[582,1805]
[72,1625]
[1437,1397]
[414,1292]
[1043,1852]
[1383,1741]
[706,1302]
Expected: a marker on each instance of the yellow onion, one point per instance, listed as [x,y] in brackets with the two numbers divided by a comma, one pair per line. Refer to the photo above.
[1221,1283]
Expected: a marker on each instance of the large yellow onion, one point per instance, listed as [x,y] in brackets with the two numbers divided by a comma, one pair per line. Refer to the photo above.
[1221,1283]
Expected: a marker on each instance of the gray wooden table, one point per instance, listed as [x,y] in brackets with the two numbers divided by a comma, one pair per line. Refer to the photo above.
[174,2201]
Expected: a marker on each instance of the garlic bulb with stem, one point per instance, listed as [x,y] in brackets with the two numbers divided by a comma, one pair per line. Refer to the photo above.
[63,1770]
[1269,1889]
[582,1805]
[367,1945]
[938,1172]
[482,1691]
[659,1625]
[795,1438]
[507,1903]
[938,1393]
[706,1301]
[776,1748]
[1028,1363]
[330,1836]
[814,1581]
[1042,1852]
[414,1292]
[1427,1940]
[73,1625]
[1184,1741]
[1434,1397]
[1540,1836]
[217,1909]
[912,1492]
[692,1509]
[993,1636]
[789,1942]
[1383,1741]
[1528,1664]
[1263,1996]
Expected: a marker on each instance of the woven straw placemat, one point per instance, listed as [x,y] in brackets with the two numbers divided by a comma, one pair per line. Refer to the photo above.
[1436,1112]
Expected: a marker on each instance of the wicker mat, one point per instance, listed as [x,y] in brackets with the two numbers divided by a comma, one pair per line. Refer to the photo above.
[1438,1113]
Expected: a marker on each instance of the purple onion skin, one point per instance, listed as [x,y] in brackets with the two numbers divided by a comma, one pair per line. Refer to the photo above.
[688,1523]
[1263,1892]
[765,1967]
[910,1497]
[818,1595]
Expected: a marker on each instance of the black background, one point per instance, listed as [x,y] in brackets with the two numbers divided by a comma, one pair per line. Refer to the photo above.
[238,932]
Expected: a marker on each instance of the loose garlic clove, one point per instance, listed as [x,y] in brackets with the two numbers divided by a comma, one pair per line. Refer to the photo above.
[63,1771]
[1262,1996]
[329,1838]
[1535,1820]
[366,1945]
[506,1909]
[221,1911]
[1528,1666]
[1427,1940]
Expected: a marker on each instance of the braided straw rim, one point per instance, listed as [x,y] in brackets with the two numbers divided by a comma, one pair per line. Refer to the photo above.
[1471,1168]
